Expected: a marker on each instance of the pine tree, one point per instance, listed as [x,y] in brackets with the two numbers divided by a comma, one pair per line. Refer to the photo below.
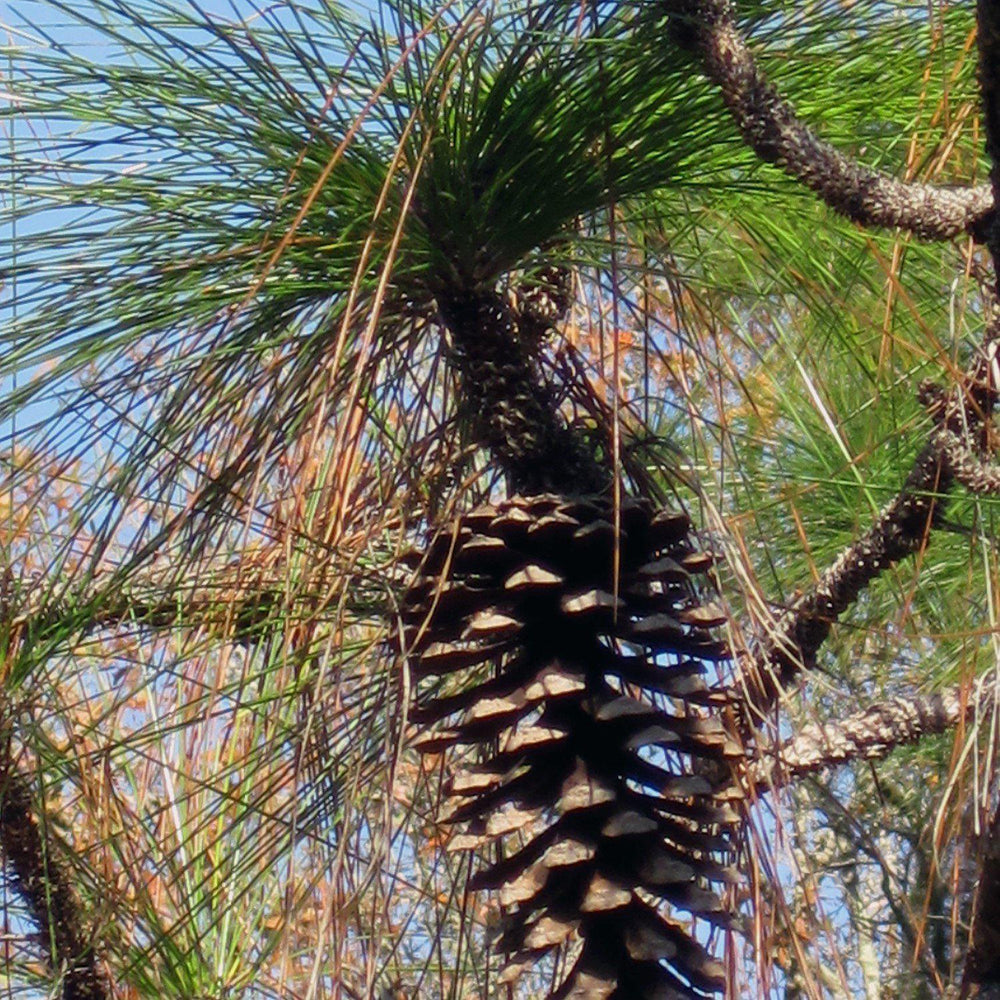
[307,467]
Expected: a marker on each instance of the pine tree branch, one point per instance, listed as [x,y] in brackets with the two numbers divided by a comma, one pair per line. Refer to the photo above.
[771,128]
[238,598]
[977,476]
[45,885]
[982,966]
[871,734]
[988,37]
[902,528]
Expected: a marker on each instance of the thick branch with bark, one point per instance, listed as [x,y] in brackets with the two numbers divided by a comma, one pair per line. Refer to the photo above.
[871,734]
[900,529]
[988,29]
[45,886]
[982,969]
[977,476]
[771,128]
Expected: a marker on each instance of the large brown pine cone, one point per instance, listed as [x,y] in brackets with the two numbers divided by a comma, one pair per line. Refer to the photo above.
[575,656]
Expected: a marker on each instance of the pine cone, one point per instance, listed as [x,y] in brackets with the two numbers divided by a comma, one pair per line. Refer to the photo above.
[593,725]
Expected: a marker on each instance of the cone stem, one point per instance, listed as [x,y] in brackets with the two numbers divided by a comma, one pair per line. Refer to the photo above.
[514,412]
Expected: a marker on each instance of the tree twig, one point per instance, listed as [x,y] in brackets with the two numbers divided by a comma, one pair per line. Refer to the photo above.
[240,598]
[977,476]
[901,528]
[871,734]
[771,128]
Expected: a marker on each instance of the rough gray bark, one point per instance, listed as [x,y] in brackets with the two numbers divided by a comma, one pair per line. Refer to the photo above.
[870,734]
[771,128]
[977,476]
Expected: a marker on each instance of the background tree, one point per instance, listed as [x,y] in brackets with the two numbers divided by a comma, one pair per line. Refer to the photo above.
[272,280]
